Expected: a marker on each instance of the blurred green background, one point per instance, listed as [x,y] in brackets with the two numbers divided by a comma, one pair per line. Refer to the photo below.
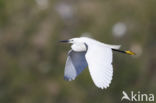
[32,60]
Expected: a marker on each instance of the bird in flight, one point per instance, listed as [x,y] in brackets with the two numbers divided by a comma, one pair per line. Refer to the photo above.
[94,54]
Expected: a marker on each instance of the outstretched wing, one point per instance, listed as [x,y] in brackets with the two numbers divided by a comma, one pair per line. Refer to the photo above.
[75,64]
[99,59]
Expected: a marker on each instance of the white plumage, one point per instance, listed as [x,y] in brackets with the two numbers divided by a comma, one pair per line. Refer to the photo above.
[99,60]
[94,54]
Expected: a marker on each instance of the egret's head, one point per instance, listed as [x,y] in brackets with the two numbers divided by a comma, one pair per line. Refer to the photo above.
[73,40]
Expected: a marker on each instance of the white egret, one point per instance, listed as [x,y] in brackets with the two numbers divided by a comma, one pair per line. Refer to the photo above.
[94,54]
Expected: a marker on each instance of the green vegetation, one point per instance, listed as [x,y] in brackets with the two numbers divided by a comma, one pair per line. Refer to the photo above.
[32,61]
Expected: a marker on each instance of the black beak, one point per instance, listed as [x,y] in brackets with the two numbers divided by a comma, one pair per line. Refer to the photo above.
[64,41]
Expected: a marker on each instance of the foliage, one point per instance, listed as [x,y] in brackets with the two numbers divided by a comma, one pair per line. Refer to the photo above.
[32,61]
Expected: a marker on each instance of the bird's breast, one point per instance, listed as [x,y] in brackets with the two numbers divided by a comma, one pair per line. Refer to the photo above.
[79,47]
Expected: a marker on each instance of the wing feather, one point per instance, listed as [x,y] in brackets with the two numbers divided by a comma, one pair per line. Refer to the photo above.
[75,64]
[99,59]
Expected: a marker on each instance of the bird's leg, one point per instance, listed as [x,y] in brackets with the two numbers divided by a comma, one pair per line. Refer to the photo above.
[126,52]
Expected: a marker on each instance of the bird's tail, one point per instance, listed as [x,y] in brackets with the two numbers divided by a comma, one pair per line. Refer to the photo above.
[113,46]
[126,52]
[117,47]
